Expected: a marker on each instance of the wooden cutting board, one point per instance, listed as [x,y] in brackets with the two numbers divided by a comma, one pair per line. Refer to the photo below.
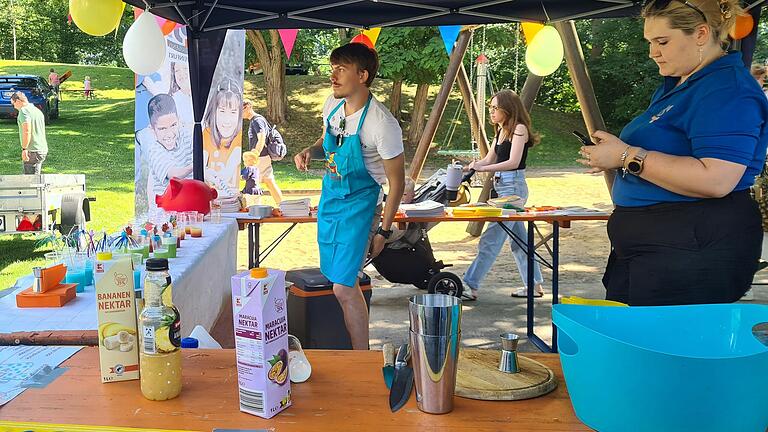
[478,377]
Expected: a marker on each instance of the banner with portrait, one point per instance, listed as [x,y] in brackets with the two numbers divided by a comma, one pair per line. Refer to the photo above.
[223,118]
[163,122]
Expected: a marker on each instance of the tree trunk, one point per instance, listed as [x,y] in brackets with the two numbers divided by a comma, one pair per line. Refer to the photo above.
[417,116]
[271,59]
[394,99]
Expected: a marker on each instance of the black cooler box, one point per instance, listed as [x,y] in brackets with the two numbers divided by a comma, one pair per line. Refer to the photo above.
[314,314]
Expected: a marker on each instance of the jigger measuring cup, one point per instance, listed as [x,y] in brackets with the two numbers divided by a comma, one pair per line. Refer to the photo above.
[508,362]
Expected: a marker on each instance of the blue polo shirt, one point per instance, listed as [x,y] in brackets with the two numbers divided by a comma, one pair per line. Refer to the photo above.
[719,112]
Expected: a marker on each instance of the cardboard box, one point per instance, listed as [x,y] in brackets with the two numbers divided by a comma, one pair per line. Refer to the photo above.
[118,350]
[261,341]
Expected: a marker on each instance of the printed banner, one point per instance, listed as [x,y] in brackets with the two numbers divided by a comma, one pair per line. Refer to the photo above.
[223,118]
[163,122]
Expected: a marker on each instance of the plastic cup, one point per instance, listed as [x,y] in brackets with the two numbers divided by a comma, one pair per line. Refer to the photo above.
[170,244]
[196,231]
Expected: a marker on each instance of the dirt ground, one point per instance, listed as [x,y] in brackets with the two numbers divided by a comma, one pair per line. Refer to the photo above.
[584,250]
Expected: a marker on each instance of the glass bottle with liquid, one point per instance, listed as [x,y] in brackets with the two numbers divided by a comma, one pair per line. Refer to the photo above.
[160,342]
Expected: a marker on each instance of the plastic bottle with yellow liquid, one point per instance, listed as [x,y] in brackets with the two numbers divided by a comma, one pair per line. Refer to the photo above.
[160,336]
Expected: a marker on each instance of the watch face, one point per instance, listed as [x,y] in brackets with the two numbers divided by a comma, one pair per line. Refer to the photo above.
[633,167]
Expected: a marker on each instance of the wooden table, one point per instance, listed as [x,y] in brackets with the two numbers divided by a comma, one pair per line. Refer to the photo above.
[556,220]
[345,393]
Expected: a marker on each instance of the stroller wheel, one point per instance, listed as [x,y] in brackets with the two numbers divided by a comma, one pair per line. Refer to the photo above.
[445,283]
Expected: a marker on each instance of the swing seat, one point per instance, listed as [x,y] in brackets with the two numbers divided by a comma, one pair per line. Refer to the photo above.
[460,153]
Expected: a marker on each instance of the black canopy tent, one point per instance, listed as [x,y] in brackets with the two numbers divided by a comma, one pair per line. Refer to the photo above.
[208,20]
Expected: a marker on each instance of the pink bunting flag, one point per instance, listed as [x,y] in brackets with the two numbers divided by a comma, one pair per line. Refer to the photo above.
[288,37]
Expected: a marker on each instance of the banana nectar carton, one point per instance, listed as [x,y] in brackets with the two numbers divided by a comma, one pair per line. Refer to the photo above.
[261,341]
[118,352]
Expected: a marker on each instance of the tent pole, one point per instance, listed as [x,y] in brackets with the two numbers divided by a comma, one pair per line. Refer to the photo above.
[582,84]
[197,132]
[417,164]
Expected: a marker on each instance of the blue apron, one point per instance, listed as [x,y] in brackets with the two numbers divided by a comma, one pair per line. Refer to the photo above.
[347,205]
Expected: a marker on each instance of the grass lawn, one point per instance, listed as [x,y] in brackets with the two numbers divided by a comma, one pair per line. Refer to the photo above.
[95,137]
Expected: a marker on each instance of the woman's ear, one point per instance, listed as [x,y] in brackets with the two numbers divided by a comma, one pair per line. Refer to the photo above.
[703,34]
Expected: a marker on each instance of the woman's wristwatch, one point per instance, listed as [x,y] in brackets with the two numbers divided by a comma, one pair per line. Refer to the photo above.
[634,165]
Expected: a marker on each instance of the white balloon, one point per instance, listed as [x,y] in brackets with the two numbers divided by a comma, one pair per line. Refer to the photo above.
[144,45]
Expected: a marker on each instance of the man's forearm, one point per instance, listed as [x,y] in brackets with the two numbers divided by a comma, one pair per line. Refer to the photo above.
[26,137]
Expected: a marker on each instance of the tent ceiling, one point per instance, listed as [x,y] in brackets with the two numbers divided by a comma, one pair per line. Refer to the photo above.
[277,14]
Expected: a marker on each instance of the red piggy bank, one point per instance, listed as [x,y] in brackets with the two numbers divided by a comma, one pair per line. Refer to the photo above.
[187,195]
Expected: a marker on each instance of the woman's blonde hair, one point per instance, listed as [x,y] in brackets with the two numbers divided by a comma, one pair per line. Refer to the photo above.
[686,15]
[509,103]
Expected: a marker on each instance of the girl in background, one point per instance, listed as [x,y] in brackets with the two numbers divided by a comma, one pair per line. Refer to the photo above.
[507,159]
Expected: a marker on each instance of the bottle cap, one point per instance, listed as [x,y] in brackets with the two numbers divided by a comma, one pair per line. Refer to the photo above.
[157,264]
[189,342]
[259,272]
[103,256]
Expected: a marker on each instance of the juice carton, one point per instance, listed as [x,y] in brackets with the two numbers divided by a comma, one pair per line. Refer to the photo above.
[118,353]
[261,341]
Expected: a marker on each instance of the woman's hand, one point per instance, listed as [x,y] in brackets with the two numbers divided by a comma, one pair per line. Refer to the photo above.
[474,165]
[604,156]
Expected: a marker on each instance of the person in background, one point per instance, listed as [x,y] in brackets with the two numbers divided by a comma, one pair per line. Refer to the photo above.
[507,160]
[758,72]
[53,80]
[34,144]
[87,92]
[250,173]
[685,229]
[362,145]
[257,130]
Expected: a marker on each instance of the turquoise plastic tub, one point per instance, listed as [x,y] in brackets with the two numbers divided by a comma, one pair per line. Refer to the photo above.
[665,368]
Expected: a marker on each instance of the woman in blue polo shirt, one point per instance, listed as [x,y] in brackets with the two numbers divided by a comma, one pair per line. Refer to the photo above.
[685,229]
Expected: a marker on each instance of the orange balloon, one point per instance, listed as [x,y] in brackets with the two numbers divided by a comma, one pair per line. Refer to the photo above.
[743,27]
[363,39]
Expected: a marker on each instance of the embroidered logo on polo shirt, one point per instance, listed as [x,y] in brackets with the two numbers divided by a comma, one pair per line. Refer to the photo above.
[661,113]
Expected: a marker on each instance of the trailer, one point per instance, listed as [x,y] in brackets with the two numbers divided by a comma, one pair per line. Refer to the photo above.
[41,203]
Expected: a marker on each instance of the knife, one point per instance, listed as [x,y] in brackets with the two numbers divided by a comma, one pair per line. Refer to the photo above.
[389,364]
[403,382]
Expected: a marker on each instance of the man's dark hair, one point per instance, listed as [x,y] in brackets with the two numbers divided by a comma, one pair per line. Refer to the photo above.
[359,55]
[160,105]
[51,69]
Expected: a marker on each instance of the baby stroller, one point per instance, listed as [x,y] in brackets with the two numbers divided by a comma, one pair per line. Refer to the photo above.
[410,259]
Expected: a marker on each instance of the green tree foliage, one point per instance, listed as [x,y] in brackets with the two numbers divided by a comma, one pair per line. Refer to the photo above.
[43,33]
[415,55]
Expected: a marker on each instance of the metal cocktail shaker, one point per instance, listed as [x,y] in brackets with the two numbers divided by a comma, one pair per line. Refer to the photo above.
[509,362]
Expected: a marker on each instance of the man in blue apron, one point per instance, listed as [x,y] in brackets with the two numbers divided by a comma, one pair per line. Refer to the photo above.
[362,146]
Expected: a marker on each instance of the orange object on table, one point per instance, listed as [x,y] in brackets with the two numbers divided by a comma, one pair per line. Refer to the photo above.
[196,232]
[54,293]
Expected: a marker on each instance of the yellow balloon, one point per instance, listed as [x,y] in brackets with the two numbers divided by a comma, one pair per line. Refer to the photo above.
[373,34]
[96,17]
[530,29]
[545,52]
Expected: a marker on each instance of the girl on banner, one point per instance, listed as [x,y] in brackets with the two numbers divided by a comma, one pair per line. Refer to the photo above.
[222,135]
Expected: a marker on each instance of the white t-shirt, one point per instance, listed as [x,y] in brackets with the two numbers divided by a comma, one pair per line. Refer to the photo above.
[380,135]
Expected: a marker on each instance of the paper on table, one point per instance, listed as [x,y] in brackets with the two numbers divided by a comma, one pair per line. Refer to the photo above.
[22,367]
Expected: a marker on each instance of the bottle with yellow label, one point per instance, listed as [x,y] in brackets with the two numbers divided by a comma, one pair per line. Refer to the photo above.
[159,334]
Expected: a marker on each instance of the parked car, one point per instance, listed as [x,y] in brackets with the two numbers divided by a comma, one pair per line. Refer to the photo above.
[296,70]
[39,93]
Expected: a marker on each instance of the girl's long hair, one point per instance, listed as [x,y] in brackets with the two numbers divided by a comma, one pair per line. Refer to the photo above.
[509,103]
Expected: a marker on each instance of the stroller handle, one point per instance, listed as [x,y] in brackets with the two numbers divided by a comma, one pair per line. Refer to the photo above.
[468,175]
